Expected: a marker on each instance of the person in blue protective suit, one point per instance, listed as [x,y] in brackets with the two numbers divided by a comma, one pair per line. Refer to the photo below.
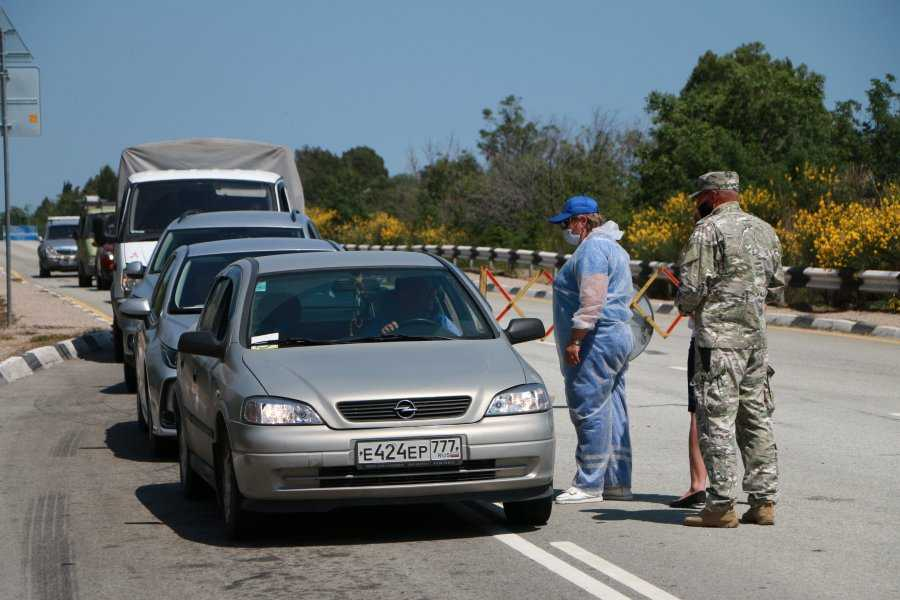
[591,297]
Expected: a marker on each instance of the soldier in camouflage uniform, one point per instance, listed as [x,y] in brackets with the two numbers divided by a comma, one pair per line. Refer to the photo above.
[729,269]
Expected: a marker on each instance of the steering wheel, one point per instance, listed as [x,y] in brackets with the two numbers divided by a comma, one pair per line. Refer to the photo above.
[419,321]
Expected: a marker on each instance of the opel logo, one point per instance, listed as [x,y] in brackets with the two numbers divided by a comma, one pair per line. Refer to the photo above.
[405,409]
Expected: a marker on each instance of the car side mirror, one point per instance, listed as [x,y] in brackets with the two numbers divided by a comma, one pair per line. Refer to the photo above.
[525,330]
[202,343]
[136,308]
[134,269]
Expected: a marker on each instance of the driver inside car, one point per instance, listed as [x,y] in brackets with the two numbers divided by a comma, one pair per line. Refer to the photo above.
[413,299]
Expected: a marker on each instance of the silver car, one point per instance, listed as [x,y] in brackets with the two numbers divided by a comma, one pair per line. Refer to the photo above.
[318,380]
[58,248]
[173,307]
[194,228]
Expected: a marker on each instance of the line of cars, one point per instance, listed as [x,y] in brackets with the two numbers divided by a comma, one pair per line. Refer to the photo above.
[296,376]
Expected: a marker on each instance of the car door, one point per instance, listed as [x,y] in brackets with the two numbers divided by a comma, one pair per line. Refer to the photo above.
[203,400]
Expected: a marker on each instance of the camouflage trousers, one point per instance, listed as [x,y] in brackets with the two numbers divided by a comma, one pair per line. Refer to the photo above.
[734,399]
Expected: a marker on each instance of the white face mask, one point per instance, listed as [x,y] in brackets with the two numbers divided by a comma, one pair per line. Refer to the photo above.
[573,239]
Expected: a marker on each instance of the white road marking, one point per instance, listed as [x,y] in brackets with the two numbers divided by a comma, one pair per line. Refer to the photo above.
[613,572]
[679,368]
[895,415]
[592,586]
[547,343]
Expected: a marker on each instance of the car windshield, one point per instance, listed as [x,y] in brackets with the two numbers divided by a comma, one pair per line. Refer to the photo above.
[180,237]
[197,276]
[153,205]
[61,232]
[362,305]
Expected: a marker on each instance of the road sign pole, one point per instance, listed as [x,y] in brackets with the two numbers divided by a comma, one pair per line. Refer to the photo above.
[5,183]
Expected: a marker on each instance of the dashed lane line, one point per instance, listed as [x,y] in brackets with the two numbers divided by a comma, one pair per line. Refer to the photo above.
[678,368]
[613,572]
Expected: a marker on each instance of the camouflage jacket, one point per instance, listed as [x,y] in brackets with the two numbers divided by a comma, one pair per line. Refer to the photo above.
[730,267]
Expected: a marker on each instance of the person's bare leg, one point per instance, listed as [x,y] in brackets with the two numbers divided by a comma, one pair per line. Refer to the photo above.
[695,460]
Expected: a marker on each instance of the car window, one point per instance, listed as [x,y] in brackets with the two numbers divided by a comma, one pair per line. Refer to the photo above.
[223,312]
[182,237]
[282,197]
[157,300]
[62,232]
[207,317]
[349,306]
[155,204]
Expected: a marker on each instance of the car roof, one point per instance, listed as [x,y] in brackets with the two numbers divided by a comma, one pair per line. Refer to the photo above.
[258,245]
[178,175]
[344,260]
[238,218]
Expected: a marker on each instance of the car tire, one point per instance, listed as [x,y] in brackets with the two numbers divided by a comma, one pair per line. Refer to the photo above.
[130,375]
[118,348]
[529,513]
[230,498]
[44,271]
[156,443]
[83,279]
[141,421]
[191,484]
[103,284]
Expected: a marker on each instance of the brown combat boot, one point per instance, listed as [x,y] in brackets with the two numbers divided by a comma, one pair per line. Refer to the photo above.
[761,514]
[713,517]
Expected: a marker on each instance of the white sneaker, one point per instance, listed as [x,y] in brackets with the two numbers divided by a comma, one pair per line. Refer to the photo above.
[575,495]
[618,492]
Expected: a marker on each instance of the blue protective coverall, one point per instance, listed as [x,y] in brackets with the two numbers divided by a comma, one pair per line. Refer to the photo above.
[592,291]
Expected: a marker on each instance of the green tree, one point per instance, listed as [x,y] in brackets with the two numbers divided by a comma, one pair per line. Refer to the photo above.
[353,183]
[104,184]
[742,111]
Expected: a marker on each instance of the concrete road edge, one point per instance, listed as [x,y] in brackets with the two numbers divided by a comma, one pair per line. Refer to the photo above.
[18,367]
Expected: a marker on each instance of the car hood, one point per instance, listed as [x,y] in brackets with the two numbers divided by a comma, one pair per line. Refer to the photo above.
[322,376]
[61,244]
[173,326]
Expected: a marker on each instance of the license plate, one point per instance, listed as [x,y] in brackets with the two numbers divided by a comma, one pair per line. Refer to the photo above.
[403,452]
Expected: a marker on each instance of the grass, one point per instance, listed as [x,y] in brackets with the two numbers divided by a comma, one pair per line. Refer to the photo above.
[49,338]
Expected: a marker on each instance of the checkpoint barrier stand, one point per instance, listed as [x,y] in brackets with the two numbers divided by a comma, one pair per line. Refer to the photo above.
[512,301]
[635,302]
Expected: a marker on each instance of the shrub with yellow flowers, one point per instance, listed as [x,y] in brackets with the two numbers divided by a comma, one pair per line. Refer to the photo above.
[378,228]
[660,233]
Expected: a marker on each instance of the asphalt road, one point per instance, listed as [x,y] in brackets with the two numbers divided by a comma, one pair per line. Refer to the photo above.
[89,514]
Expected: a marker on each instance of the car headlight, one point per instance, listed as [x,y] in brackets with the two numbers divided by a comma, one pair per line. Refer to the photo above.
[530,398]
[278,411]
[170,356]
[51,251]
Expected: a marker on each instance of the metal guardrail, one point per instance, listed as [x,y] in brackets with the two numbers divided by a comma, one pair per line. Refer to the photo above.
[874,282]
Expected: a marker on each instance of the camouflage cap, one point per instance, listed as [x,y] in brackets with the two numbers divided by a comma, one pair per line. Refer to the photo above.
[718,180]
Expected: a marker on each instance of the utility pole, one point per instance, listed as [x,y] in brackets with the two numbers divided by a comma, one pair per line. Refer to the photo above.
[5,182]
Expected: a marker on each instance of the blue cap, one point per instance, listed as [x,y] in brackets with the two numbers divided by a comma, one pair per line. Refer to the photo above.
[576,205]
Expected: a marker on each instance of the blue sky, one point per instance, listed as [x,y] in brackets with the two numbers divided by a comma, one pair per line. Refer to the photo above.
[391,75]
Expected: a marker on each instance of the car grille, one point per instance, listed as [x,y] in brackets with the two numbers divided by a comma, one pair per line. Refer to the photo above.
[343,477]
[66,251]
[387,410]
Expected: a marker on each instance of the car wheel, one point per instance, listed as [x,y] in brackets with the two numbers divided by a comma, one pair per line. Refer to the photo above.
[130,378]
[156,443]
[118,348]
[83,279]
[230,497]
[44,271]
[190,481]
[529,512]
[142,422]
[103,284]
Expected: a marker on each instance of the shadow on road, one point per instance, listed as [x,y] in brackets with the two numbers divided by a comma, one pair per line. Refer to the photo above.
[669,516]
[199,521]
[116,388]
[128,441]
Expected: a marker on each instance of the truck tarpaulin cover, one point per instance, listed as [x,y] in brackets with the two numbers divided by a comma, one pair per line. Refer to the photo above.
[212,154]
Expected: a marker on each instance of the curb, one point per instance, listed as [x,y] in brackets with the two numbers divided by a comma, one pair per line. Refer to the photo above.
[44,357]
[796,321]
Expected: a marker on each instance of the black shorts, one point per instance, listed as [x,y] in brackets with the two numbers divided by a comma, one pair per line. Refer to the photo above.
[692,397]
